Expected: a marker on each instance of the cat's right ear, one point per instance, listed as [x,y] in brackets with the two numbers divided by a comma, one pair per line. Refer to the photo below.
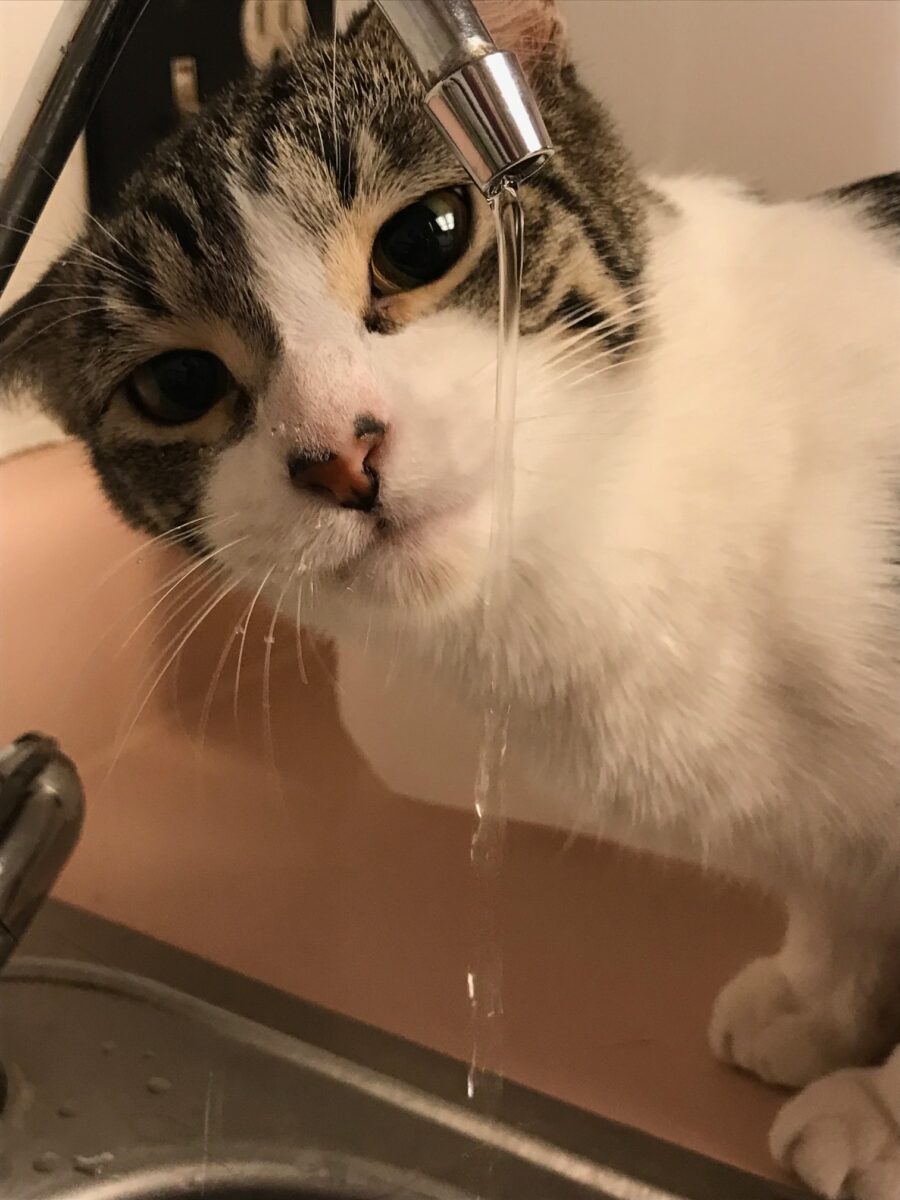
[28,349]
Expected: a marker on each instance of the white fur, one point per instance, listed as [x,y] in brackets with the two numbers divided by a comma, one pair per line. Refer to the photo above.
[701,642]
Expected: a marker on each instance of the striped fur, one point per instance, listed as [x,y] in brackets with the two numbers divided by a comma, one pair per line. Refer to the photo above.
[339,136]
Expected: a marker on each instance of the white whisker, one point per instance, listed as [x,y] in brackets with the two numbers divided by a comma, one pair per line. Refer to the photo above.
[267,675]
[246,623]
[198,565]
[194,625]
[301,666]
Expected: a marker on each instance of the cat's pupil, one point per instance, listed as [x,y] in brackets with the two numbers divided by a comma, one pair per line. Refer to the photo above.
[421,243]
[187,378]
[178,387]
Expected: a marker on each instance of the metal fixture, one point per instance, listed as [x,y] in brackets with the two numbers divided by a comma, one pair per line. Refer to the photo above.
[37,143]
[41,813]
[477,95]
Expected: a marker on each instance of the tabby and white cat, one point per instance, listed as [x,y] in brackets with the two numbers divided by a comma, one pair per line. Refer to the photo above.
[287,334]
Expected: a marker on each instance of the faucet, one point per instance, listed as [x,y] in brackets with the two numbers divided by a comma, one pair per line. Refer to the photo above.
[477,95]
[41,813]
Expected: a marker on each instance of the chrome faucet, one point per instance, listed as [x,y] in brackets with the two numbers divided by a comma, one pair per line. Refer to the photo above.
[41,812]
[476,94]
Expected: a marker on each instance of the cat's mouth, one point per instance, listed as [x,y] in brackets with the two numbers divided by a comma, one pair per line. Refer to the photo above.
[392,529]
[414,560]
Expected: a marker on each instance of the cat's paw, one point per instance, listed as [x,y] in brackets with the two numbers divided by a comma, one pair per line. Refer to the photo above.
[761,1025]
[841,1138]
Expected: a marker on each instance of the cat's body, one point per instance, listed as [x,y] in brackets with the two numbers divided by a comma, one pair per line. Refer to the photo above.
[709,599]
[701,624]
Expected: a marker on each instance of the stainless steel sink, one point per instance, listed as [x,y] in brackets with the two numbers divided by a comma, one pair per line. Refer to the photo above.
[121,1088]
[124,1087]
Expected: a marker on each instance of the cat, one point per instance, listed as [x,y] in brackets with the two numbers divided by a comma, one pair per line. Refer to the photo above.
[282,344]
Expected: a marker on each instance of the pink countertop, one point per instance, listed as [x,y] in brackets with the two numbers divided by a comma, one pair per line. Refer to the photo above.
[314,877]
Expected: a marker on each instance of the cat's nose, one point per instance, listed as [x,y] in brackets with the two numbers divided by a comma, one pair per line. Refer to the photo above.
[348,476]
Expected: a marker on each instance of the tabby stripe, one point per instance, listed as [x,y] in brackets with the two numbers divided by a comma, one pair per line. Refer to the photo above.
[560,191]
[175,221]
[340,159]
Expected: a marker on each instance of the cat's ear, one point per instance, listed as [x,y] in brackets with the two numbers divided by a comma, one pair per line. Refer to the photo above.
[532,29]
[30,352]
[19,333]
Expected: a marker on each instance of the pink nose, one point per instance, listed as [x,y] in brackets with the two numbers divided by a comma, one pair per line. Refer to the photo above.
[348,476]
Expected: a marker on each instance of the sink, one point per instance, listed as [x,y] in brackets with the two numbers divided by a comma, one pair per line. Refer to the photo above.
[138,1072]
[236,1181]
[121,1088]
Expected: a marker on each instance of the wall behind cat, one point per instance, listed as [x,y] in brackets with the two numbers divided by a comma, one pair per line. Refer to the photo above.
[794,97]
[24,25]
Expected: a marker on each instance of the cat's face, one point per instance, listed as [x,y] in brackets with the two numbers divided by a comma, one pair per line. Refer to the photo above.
[287,336]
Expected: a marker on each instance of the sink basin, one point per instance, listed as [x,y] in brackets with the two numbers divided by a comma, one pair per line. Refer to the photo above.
[209,1084]
[121,1088]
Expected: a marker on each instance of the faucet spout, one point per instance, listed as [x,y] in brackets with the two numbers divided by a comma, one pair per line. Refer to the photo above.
[477,95]
[41,812]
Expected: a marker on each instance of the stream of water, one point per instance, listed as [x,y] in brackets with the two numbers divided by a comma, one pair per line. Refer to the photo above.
[485,975]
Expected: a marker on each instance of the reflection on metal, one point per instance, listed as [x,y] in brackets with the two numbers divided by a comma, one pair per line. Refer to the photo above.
[41,813]
[477,95]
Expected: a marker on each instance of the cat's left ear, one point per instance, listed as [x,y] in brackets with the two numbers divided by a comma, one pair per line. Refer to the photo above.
[532,29]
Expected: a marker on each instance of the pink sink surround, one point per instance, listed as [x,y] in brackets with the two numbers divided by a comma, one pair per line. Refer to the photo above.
[317,879]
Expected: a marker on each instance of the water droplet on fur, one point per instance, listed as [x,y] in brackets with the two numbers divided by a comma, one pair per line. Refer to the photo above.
[47,1162]
[107,1047]
[67,1110]
[158,1085]
[92,1164]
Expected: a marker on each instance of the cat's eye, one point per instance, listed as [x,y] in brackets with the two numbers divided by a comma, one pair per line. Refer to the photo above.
[422,242]
[180,386]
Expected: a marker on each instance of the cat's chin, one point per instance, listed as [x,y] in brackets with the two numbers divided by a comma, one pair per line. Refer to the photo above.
[431,568]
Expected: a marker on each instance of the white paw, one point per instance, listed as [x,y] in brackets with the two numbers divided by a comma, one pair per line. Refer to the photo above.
[759,1024]
[839,1136]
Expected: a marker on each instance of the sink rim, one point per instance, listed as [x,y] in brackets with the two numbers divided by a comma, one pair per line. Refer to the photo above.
[184,1178]
[406,1098]
[634,1158]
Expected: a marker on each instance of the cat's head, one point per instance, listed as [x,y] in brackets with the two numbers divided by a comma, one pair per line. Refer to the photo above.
[284,339]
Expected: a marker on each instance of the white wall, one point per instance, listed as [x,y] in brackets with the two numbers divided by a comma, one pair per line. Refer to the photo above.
[795,95]
[24,25]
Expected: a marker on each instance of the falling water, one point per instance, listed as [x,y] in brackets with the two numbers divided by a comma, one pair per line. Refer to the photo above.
[485,976]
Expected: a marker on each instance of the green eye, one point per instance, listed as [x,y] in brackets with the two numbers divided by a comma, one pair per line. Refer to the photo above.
[178,387]
[422,242]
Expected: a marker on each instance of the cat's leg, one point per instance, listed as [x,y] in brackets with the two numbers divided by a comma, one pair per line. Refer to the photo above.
[841,1135]
[828,999]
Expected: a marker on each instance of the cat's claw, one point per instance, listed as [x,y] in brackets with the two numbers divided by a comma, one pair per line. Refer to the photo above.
[841,1137]
[759,1024]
